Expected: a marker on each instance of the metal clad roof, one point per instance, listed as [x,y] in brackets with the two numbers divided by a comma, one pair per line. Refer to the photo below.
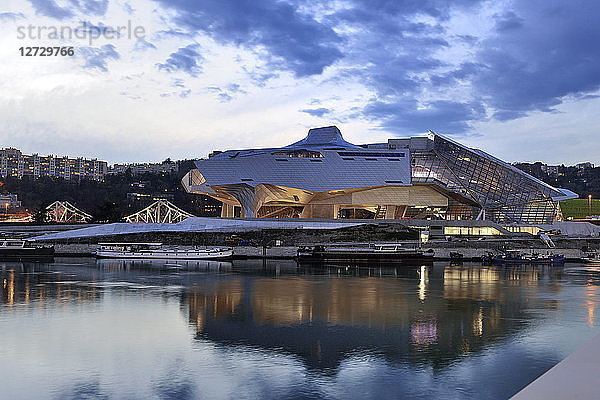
[331,172]
[329,136]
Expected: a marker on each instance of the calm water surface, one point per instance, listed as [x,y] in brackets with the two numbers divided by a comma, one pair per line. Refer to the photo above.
[80,328]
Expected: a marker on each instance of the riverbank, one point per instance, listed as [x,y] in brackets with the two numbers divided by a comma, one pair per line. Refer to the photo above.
[289,252]
[282,239]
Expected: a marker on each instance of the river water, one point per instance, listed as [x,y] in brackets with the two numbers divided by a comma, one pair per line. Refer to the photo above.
[81,328]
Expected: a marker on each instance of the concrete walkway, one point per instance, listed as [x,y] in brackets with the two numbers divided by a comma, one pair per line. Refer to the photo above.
[576,377]
[200,224]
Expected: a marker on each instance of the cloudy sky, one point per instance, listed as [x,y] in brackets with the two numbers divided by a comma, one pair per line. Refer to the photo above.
[519,79]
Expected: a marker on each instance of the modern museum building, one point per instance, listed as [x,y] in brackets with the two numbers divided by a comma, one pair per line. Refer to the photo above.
[325,177]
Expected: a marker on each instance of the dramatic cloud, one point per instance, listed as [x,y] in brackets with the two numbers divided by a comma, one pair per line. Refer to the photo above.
[50,8]
[178,83]
[93,7]
[317,112]
[143,44]
[235,88]
[185,59]
[265,69]
[368,10]
[96,30]
[408,117]
[224,97]
[260,79]
[11,16]
[542,52]
[293,40]
[396,53]
[97,58]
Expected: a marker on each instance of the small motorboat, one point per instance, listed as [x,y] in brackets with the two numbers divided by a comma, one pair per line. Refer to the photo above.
[21,249]
[159,251]
[456,258]
[518,257]
[591,258]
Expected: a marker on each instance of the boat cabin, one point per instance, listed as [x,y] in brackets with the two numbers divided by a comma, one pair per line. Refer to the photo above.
[13,243]
[129,246]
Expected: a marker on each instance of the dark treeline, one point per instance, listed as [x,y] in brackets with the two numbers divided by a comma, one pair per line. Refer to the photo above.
[583,181]
[110,200]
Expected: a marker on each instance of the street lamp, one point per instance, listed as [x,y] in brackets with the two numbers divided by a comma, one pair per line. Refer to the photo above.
[590,203]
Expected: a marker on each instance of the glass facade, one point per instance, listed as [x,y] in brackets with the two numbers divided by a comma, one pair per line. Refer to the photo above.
[471,231]
[490,188]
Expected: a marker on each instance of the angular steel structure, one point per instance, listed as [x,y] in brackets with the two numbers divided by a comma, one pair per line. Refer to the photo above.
[63,211]
[161,211]
[324,176]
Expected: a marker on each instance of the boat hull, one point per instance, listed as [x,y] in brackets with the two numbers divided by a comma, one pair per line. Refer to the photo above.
[27,253]
[166,255]
[352,257]
[551,260]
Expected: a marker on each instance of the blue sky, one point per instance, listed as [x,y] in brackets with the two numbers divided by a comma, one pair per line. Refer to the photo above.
[519,79]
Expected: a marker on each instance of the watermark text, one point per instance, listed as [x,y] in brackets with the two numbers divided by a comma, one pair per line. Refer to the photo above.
[86,31]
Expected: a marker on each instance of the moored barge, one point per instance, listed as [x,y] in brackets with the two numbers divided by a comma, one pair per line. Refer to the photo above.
[22,249]
[384,253]
[158,251]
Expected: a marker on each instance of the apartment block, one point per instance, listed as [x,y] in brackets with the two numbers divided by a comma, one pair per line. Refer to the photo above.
[14,163]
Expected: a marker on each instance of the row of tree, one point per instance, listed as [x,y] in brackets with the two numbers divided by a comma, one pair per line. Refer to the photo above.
[583,181]
[107,201]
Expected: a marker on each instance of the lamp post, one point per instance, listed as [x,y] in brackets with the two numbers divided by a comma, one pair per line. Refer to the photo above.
[590,204]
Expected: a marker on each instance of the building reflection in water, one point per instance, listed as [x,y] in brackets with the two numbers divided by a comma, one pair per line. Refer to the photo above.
[222,299]
[423,280]
[323,320]
[590,304]
[429,315]
[25,283]
[423,333]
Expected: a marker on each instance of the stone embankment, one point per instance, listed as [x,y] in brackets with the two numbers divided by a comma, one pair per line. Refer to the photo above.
[288,252]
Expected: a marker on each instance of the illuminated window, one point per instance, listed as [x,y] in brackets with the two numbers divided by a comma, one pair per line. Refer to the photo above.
[298,153]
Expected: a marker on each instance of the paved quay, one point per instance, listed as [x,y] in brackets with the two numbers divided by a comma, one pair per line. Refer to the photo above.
[196,224]
[574,378]
[81,249]
[85,250]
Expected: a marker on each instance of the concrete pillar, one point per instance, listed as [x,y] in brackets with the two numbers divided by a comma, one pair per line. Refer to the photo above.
[404,209]
[246,196]
[390,212]
[227,210]
[306,211]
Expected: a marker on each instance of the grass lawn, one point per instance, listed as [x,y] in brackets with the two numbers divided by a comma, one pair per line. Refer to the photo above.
[579,208]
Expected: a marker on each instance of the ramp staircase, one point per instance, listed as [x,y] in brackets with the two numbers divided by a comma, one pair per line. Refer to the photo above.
[547,241]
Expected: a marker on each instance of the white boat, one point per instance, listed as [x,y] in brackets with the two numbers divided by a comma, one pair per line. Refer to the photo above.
[592,258]
[159,251]
[24,249]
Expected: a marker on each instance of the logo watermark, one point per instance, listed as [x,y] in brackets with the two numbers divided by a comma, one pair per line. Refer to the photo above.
[86,31]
